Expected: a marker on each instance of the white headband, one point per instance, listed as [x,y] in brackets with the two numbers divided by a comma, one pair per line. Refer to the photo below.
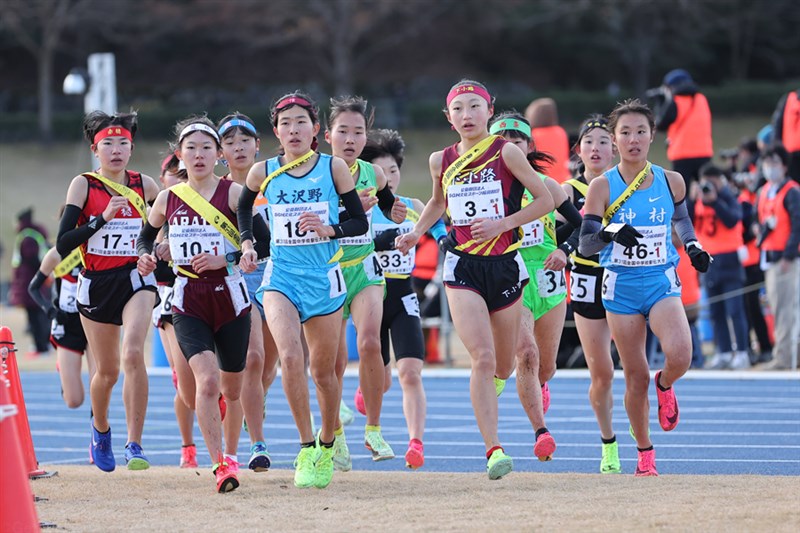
[198,127]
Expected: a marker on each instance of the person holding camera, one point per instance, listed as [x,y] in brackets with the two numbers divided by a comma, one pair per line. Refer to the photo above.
[683,113]
[718,223]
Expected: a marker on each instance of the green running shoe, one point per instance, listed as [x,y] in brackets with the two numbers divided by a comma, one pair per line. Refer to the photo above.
[346,415]
[323,471]
[304,467]
[609,464]
[381,451]
[499,464]
[499,385]
[341,454]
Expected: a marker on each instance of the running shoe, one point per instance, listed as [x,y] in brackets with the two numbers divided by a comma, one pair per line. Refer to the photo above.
[346,415]
[668,413]
[544,447]
[101,453]
[610,464]
[91,459]
[226,476]
[499,464]
[323,471]
[415,457]
[341,454]
[259,457]
[135,458]
[304,467]
[499,385]
[646,466]
[189,456]
[223,407]
[381,451]
[358,401]
[545,398]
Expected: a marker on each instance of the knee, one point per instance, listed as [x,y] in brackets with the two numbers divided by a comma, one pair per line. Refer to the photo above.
[369,345]
[293,364]
[133,358]
[602,382]
[324,375]
[638,383]
[527,361]
[547,369]
[483,361]
[255,360]
[73,401]
[208,385]
[409,377]
[108,373]
[232,391]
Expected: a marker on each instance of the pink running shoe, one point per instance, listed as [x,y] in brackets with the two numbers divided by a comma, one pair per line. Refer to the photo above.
[545,398]
[415,457]
[359,401]
[223,407]
[544,447]
[646,467]
[668,414]
[189,456]
[225,473]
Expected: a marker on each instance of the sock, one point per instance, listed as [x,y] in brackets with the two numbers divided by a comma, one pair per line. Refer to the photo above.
[649,448]
[415,441]
[311,444]
[372,428]
[540,431]
[338,432]
[232,457]
[612,440]
[188,445]
[492,449]
[326,444]
[658,384]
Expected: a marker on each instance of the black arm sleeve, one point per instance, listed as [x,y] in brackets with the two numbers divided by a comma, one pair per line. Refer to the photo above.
[792,204]
[244,214]
[146,239]
[568,234]
[591,241]
[70,237]
[261,233]
[35,290]
[386,201]
[357,224]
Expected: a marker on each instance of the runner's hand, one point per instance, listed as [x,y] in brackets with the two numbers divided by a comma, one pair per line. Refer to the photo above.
[700,259]
[205,262]
[308,221]
[484,229]
[368,200]
[557,260]
[399,211]
[622,234]
[146,264]
[114,205]
[406,242]
[248,260]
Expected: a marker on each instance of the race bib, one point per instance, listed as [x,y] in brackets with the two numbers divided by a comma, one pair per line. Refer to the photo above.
[469,201]
[336,280]
[165,291]
[185,242]
[651,250]
[68,297]
[393,261]
[286,223]
[609,285]
[372,267]
[551,282]
[533,234]
[237,288]
[411,304]
[582,287]
[359,239]
[116,238]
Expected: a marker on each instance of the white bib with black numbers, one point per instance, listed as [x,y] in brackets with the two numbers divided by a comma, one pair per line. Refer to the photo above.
[469,201]
[285,226]
[394,261]
[533,234]
[187,241]
[117,238]
[651,250]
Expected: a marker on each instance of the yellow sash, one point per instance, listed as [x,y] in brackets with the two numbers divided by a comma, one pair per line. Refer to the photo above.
[285,168]
[464,159]
[626,194]
[579,186]
[122,190]
[581,261]
[67,264]
[354,168]
[412,215]
[208,212]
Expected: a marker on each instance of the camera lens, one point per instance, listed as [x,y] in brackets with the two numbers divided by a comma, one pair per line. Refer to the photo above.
[706,187]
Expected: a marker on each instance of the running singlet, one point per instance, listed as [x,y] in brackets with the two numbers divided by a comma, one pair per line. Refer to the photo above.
[360,246]
[114,245]
[393,262]
[484,189]
[538,242]
[650,212]
[287,198]
[190,234]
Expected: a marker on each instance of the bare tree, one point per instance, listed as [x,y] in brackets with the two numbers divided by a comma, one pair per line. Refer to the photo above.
[38,26]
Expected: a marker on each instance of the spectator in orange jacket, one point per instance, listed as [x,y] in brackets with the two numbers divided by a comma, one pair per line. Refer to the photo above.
[548,137]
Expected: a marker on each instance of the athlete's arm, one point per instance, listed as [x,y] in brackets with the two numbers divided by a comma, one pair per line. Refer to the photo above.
[49,262]
[392,207]
[594,237]
[147,236]
[357,224]
[433,209]
[151,188]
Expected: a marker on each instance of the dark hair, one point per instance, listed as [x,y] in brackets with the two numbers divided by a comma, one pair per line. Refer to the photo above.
[98,120]
[188,121]
[233,130]
[777,150]
[537,159]
[355,104]
[384,142]
[595,120]
[171,163]
[627,107]
[313,110]
[710,170]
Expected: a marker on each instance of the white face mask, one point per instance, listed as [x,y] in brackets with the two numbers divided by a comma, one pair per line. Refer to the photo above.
[773,173]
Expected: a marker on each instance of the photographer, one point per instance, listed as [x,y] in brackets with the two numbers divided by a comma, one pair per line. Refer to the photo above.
[683,113]
[718,223]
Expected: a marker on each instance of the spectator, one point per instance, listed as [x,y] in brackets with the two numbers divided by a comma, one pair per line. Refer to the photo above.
[29,249]
[786,125]
[718,223]
[778,209]
[686,118]
[548,137]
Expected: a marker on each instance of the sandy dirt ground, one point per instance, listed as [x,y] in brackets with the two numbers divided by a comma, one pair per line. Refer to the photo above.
[81,498]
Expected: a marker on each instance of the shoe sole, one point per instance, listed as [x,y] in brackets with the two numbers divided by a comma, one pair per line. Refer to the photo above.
[138,464]
[259,464]
[114,466]
[188,465]
[303,486]
[501,468]
[611,471]
[414,459]
[376,456]
[645,474]
[229,485]
[544,448]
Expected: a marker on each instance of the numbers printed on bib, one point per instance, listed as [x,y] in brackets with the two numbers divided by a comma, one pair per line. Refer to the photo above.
[533,234]
[470,201]
[286,223]
[185,242]
[551,282]
[609,285]
[651,250]
[165,292]
[392,261]
[359,239]
[116,238]
[336,279]
[582,287]
[68,297]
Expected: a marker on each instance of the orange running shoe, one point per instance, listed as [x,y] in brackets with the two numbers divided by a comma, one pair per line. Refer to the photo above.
[646,466]
[226,476]
[415,456]
[668,414]
[189,456]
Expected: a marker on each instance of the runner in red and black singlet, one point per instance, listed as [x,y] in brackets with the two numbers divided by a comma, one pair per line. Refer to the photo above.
[103,214]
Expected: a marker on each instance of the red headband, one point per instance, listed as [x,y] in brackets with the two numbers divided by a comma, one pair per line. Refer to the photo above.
[112,131]
[292,100]
[468,89]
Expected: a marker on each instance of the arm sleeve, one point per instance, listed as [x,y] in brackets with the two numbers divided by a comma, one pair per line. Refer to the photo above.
[438,230]
[262,235]
[357,224]
[386,201]
[683,224]
[727,208]
[146,239]
[792,204]
[70,237]
[244,214]
[590,242]
[35,290]
[568,234]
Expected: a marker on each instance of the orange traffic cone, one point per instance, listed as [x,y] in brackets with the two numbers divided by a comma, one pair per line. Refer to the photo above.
[432,347]
[17,512]
[15,395]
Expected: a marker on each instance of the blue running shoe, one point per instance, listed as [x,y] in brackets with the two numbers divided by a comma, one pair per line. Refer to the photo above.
[259,458]
[134,457]
[101,452]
